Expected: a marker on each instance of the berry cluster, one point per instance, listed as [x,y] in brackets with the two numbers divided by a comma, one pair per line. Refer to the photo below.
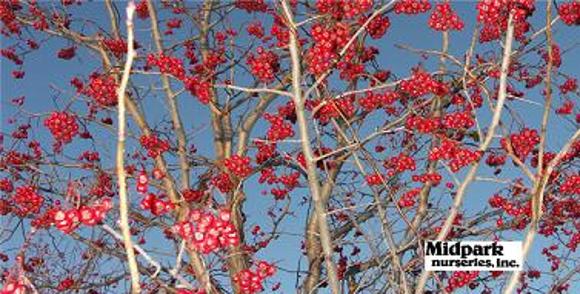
[460,279]
[327,109]
[200,89]
[422,83]
[327,42]
[374,179]
[522,143]
[167,65]
[566,108]
[434,178]
[412,6]
[408,199]
[556,56]
[8,17]
[116,46]
[264,65]
[191,195]
[223,182]
[459,120]
[62,125]
[279,129]
[154,145]
[16,287]
[281,33]
[374,101]
[378,26]
[289,182]
[255,29]
[495,159]
[571,185]
[570,12]
[155,205]
[250,281]
[401,163]
[252,5]
[458,157]
[422,124]
[207,232]
[102,89]
[142,9]
[493,14]
[68,220]
[569,85]
[27,200]
[265,152]
[343,8]
[65,284]
[6,185]
[67,53]
[444,18]
[239,165]
[142,183]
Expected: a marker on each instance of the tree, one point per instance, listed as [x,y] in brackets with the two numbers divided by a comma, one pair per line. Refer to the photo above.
[284,146]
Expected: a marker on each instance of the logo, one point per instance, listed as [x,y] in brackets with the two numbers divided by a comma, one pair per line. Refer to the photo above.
[473,255]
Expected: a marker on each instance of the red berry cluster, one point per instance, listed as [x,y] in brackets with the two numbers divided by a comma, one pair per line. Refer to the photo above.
[343,8]
[494,15]
[412,6]
[327,42]
[27,200]
[8,17]
[200,89]
[264,65]
[495,159]
[571,186]
[252,5]
[522,143]
[167,65]
[223,182]
[154,145]
[459,120]
[458,157]
[289,182]
[250,281]
[67,53]
[142,9]
[281,33]
[570,12]
[374,101]
[374,179]
[434,178]
[102,89]
[255,29]
[265,152]
[422,83]
[569,85]
[62,125]
[239,165]
[556,56]
[327,109]
[408,199]
[444,18]
[377,27]
[401,163]
[65,284]
[116,46]
[15,287]
[207,232]
[422,124]
[192,291]
[460,279]
[191,195]
[68,220]
[142,183]
[156,205]
[6,185]
[279,129]
[566,109]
